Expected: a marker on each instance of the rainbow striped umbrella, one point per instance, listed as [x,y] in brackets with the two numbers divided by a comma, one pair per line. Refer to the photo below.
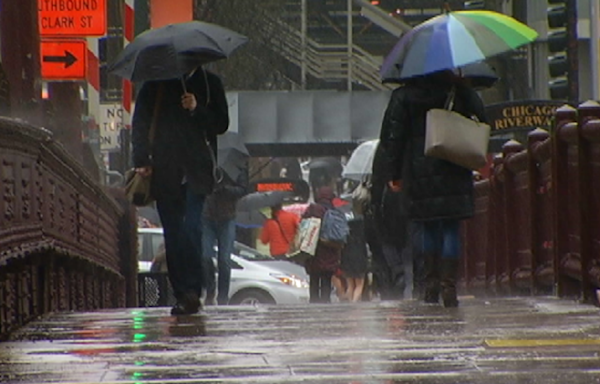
[453,40]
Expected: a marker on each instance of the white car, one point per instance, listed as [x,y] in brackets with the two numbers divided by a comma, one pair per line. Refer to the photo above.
[255,277]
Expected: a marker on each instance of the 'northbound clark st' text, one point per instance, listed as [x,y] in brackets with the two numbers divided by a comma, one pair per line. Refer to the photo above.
[72,17]
[67,5]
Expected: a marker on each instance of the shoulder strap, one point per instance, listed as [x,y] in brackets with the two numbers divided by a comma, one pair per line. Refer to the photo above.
[450,100]
[157,102]
[281,229]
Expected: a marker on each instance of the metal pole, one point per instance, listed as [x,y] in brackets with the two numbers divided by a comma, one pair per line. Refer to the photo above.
[350,44]
[595,53]
[573,52]
[303,42]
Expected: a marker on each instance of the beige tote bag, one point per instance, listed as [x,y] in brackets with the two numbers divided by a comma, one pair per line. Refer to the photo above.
[452,137]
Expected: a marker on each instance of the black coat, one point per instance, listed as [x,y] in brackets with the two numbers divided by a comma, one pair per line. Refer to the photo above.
[180,145]
[436,189]
[221,204]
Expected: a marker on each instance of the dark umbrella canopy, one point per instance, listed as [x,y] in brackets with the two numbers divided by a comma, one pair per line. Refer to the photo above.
[232,154]
[253,219]
[331,164]
[259,200]
[171,51]
[480,75]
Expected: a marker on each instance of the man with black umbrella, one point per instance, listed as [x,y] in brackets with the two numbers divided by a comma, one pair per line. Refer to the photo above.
[175,126]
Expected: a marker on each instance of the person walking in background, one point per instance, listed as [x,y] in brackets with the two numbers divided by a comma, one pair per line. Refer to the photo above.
[389,221]
[218,228]
[439,193]
[188,114]
[326,261]
[280,231]
[354,262]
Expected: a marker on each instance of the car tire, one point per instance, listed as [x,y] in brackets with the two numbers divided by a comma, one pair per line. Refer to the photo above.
[251,297]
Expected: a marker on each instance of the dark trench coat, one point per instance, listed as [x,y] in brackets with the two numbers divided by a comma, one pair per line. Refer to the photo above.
[181,142]
[436,189]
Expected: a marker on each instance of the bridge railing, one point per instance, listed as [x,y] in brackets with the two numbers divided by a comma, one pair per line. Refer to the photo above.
[537,227]
[65,242]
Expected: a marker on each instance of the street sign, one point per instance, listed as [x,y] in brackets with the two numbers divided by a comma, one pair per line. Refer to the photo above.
[111,123]
[63,59]
[77,18]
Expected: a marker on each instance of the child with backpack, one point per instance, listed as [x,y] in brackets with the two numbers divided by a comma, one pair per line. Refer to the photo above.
[332,238]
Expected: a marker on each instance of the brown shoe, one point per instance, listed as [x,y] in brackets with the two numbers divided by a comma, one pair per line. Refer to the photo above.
[210,299]
[189,304]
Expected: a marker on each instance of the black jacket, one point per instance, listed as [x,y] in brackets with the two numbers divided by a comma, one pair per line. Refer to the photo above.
[180,142]
[436,189]
[221,204]
[388,208]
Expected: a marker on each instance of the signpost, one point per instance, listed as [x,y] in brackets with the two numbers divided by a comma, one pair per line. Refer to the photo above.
[80,18]
[63,59]
[111,123]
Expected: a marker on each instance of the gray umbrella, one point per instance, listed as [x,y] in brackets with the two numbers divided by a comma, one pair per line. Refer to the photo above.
[253,219]
[171,51]
[260,200]
[232,155]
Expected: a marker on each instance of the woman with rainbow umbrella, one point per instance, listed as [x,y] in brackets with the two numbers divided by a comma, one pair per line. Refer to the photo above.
[439,193]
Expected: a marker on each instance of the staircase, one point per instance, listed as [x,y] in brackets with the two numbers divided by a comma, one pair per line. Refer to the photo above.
[331,62]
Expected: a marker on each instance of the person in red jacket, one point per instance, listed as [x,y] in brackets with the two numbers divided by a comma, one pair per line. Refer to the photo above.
[279,231]
[326,262]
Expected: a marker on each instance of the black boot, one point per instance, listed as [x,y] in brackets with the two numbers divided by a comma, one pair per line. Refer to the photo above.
[449,275]
[431,278]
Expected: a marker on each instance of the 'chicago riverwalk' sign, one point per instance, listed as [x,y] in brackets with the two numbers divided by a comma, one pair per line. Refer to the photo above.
[525,115]
[513,120]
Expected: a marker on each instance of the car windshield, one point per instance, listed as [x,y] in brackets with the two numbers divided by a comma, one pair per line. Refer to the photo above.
[249,253]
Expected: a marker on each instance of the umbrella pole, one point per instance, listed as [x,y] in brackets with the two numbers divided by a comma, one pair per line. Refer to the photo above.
[183,84]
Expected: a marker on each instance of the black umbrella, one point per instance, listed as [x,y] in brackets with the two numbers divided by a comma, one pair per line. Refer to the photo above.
[174,50]
[259,200]
[332,165]
[232,154]
[480,75]
[252,219]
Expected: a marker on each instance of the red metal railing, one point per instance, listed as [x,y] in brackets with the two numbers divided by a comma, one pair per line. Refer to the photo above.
[537,227]
[65,243]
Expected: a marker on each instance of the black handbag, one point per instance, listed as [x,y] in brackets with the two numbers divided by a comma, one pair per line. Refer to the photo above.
[137,187]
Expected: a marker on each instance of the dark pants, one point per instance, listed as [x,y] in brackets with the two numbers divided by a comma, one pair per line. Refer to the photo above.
[394,281]
[181,219]
[320,287]
[442,238]
[221,233]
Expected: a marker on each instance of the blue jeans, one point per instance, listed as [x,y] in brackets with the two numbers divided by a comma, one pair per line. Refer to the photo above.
[183,241]
[222,234]
[442,238]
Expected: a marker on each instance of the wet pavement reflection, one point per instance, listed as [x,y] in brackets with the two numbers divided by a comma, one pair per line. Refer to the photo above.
[515,340]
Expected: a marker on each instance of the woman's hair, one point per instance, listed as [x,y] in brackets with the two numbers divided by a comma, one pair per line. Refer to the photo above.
[325,193]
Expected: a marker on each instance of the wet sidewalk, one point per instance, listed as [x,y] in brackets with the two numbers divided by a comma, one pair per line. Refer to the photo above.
[518,340]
